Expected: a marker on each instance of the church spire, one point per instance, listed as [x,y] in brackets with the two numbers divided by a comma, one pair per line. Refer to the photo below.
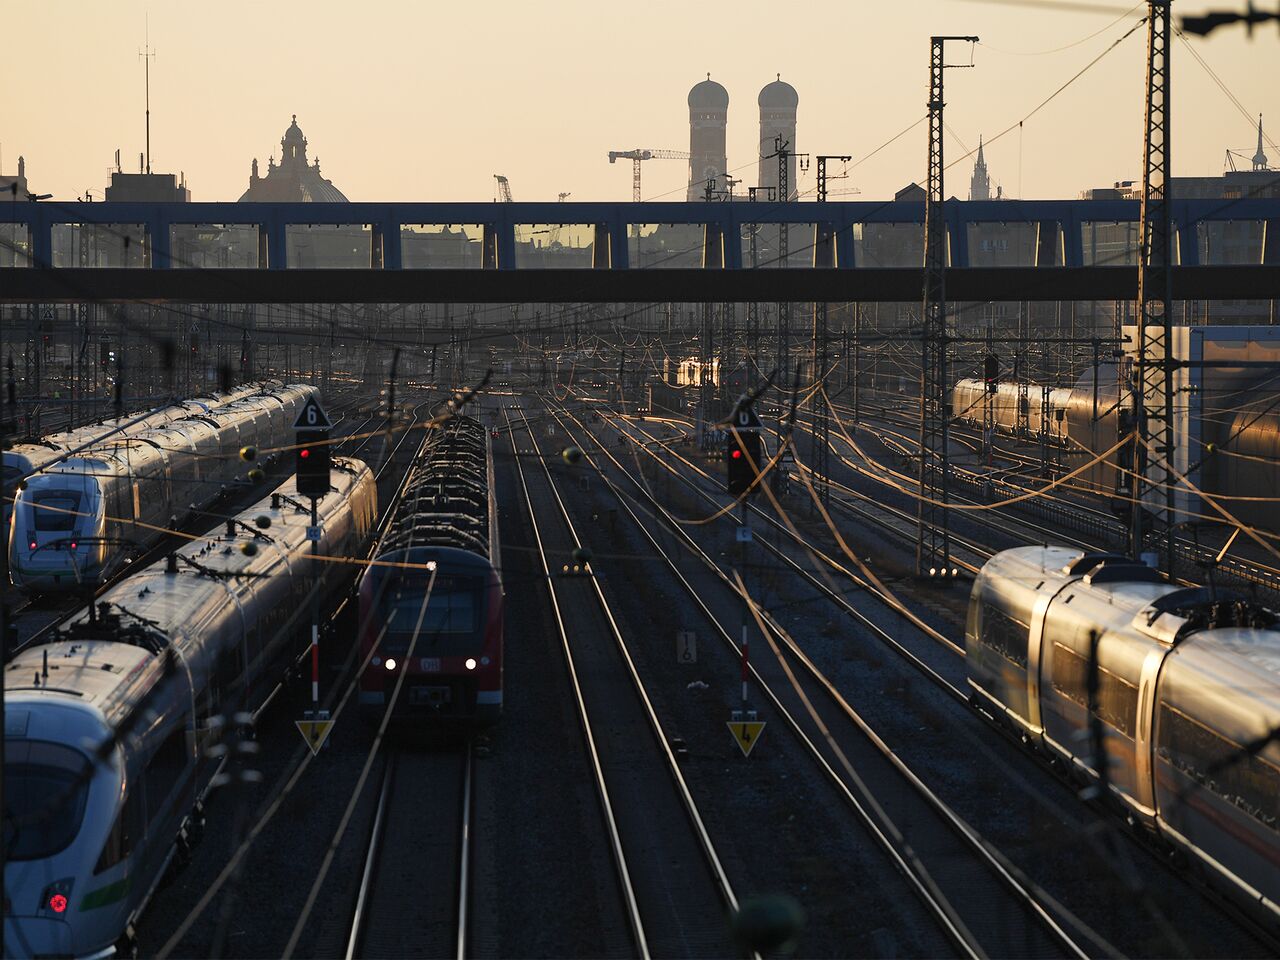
[1260,158]
[980,185]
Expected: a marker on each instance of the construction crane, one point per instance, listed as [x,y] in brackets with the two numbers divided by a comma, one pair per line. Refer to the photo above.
[636,156]
[504,188]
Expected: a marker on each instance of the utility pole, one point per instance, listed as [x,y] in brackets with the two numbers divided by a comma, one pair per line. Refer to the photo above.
[824,255]
[1153,372]
[933,544]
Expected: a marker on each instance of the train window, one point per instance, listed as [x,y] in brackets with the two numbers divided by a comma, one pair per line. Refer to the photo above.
[124,832]
[55,510]
[1005,635]
[1117,697]
[166,768]
[1247,782]
[45,790]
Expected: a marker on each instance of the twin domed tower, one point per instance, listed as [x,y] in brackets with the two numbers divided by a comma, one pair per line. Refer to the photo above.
[708,120]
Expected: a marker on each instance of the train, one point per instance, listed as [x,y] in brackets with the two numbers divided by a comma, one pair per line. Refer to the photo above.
[1183,718]
[443,538]
[107,726]
[1234,452]
[75,522]
[27,456]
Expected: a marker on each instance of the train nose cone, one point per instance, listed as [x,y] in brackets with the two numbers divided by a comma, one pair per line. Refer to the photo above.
[36,937]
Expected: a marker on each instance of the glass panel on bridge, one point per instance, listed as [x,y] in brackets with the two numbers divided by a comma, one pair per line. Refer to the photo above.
[664,246]
[327,246]
[1224,242]
[994,244]
[769,239]
[888,244]
[1110,243]
[15,245]
[439,246]
[214,245]
[560,246]
[101,245]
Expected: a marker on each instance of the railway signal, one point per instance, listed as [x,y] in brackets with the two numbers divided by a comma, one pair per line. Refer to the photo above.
[311,452]
[743,450]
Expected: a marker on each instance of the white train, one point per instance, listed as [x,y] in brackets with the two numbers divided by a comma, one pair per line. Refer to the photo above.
[170,649]
[74,523]
[1187,696]
[25,458]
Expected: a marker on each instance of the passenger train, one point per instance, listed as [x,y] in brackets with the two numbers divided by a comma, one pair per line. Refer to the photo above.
[26,457]
[1186,695]
[141,686]
[450,641]
[75,522]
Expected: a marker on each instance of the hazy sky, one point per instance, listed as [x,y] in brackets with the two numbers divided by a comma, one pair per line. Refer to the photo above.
[426,100]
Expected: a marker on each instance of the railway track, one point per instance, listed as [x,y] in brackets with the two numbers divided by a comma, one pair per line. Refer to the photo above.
[421,832]
[974,897]
[948,677]
[674,891]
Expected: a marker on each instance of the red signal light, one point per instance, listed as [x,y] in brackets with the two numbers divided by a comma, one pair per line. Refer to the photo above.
[304,453]
[58,903]
[73,544]
[736,454]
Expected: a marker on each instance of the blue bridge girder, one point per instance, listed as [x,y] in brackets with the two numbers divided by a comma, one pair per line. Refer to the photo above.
[1058,268]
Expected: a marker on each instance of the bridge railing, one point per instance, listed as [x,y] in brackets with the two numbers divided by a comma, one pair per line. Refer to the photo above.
[618,236]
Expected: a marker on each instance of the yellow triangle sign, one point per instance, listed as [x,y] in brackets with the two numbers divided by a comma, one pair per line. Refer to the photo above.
[314,733]
[746,733]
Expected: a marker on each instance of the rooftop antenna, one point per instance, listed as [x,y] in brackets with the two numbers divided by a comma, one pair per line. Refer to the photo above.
[147,55]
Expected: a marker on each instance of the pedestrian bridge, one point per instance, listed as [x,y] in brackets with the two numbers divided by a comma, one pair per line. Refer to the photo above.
[619,252]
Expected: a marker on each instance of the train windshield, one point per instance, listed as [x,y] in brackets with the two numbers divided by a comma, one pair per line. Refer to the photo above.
[55,510]
[45,789]
[451,616]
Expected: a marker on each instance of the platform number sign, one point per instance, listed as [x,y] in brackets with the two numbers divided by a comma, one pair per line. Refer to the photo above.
[311,450]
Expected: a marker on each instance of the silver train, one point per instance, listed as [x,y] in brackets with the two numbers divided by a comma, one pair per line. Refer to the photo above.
[1237,451]
[75,522]
[26,457]
[170,650]
[1187,696]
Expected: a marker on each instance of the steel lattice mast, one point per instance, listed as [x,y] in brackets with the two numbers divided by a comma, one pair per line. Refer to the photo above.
[933,547]
[823,256]
[1153,485]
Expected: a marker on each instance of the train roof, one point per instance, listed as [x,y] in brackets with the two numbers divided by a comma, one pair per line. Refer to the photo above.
[446,498]
[102,664]
[1159,609]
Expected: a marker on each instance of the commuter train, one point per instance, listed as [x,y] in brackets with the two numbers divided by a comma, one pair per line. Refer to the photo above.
[1186,695]
[141,686]
[75,521]
[1010,409]
[450,640]
[26,457]
[1236,449]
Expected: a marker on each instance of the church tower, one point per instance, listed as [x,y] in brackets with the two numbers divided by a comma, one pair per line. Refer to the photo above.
[778,104]
[708,118]
[1260,158]
[980,184]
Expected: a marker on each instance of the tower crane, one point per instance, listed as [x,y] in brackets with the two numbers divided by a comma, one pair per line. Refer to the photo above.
[638,155]
[504,188]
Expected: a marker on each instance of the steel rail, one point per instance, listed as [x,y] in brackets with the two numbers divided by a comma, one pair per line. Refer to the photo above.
[1030,895]
[630,905]
[691,807]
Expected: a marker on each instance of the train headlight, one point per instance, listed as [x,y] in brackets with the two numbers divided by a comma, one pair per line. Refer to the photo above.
[471,663]
[390,663]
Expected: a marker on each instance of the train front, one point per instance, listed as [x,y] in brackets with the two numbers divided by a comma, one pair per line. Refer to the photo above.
[57,534]
[66,874]
[441,629]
